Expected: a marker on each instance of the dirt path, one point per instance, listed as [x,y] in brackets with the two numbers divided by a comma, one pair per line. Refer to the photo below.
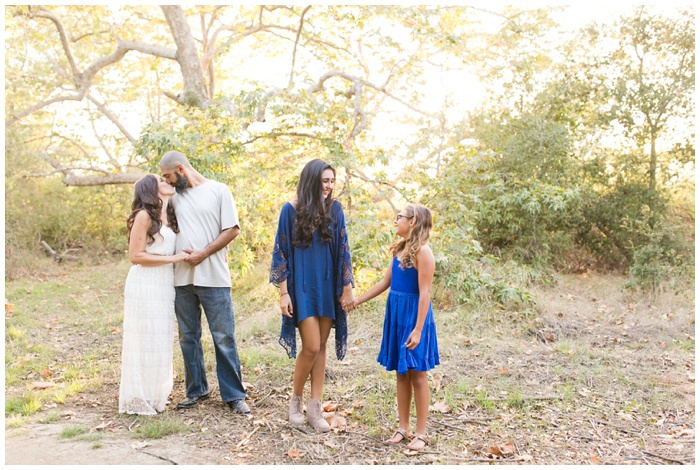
[594,376]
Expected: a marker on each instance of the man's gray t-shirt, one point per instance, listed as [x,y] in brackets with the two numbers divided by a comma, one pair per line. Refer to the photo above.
[203,212]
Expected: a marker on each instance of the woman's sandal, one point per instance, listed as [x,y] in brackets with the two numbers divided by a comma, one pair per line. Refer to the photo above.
[401,432]
[419,437]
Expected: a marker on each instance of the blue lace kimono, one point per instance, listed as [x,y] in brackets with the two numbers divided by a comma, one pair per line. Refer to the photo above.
[315,276]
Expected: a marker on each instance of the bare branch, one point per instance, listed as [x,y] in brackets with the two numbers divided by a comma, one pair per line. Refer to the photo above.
[360,175]
[151,49]
[43,104]
[274,135]
[110,115]
[296,43]
[64,38]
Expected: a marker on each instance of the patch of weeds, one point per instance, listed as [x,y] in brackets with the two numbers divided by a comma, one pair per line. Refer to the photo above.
[12,333]
[15,421]
[482,400]
[90,437]
[515,399]
[72,431]
[72,388]
[567,392]
[157,427]
[687,345]
[96,445]
[51,418]
[25,405]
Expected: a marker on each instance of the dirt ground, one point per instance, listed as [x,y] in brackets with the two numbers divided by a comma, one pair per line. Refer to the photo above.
[594,377]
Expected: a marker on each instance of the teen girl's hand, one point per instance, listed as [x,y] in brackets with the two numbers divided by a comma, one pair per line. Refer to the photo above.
[286,305]
[413,340]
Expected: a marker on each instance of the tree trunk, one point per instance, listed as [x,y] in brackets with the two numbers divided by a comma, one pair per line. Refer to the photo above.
[194,92]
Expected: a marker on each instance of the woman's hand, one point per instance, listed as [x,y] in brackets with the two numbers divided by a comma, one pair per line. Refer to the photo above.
[413,340]
[286,305]
[347,301]
[180,257]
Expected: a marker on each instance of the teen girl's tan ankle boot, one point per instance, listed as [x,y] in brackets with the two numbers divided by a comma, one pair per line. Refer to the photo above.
[314,413]
[296,410]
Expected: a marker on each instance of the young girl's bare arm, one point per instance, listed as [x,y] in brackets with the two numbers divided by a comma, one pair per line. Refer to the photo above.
[426,269]
[377,289]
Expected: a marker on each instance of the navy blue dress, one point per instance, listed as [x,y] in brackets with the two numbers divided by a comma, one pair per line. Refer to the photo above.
[400,319]
[315,276]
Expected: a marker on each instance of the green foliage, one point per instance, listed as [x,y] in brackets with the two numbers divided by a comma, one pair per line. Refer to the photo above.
[661,259]
[92,219]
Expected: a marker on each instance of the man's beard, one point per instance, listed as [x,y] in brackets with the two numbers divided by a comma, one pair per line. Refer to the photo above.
[180,183]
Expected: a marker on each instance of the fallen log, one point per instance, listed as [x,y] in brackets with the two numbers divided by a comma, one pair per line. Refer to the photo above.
[58,257]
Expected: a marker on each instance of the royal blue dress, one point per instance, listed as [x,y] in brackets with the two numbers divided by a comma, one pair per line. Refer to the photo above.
[315,276]
[400,319]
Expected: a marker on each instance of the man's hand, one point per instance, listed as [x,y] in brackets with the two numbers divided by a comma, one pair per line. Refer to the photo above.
[194,257]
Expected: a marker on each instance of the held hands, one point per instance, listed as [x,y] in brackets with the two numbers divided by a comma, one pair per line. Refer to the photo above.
[413,340]
[286,305]
[194,257]
[348,302]
[179,257]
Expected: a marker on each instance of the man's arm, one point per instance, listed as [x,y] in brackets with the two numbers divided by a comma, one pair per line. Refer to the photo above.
[225,237]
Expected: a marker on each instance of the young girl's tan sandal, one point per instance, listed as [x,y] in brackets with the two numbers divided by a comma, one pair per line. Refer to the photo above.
[401,432]
[424,438]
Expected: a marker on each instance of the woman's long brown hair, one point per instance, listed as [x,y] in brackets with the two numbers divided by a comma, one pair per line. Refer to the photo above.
[146,199]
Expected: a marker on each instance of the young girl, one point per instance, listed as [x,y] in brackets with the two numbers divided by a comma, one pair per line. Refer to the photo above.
[311,265]
[409,342]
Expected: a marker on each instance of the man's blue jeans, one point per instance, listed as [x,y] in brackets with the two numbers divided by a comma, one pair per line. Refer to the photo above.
[216,302]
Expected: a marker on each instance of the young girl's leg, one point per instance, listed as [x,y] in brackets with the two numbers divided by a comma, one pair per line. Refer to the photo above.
[403,397]
[421,392]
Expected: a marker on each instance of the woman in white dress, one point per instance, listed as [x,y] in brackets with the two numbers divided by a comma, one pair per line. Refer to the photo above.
[149,295]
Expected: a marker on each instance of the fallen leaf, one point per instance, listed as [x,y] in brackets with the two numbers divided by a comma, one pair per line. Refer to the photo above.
[330,406]
[331,444]
[357,404]
[526,457]
[440,406]
[139,445]
[410,452]
[345,411]
[502,371]
[336,422]
[691,376]
[102,426]
[294,454]
[115,330]
[46,372]
[247,385]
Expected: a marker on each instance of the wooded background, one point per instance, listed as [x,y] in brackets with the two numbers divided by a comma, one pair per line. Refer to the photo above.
[579,154]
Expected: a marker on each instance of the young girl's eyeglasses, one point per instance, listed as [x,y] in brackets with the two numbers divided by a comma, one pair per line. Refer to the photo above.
[399,217]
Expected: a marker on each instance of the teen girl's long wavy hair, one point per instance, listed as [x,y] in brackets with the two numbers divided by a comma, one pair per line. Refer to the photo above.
[313,211]
[146,199]
[405,249]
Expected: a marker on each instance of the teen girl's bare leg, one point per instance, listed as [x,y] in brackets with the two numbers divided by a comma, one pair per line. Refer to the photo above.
[311,360]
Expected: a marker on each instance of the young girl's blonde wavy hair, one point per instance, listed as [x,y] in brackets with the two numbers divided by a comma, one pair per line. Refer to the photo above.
[405,249]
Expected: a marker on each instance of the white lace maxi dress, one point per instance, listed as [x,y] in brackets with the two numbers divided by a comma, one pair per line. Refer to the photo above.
[149,325]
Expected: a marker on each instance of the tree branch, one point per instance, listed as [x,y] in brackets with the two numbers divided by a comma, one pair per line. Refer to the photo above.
[151,49]
[110,115]
[296,43]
